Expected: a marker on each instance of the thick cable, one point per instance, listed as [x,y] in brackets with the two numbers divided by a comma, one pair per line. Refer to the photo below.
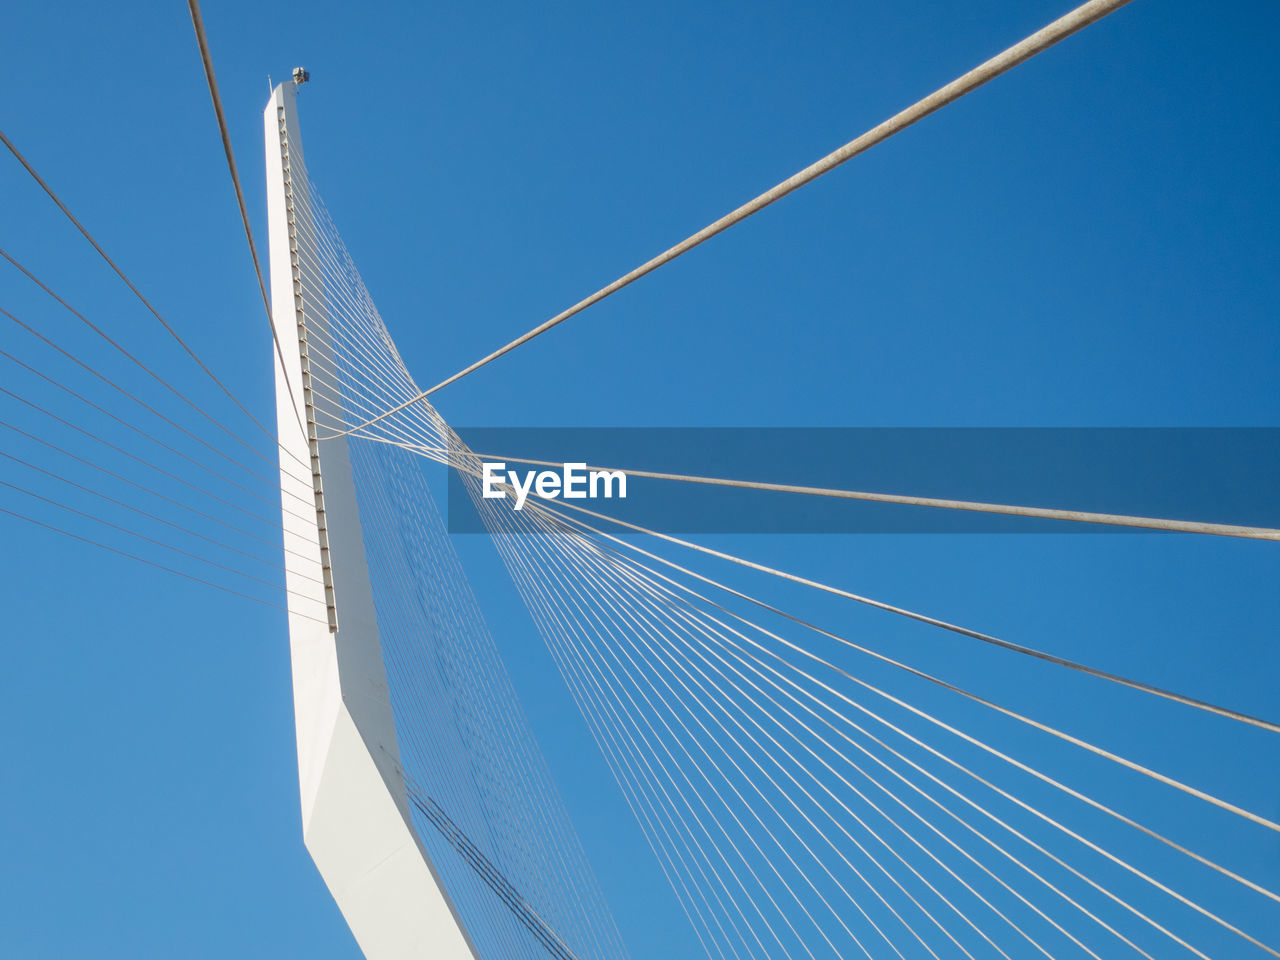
[1043,513]
[1079,18]
[207,58]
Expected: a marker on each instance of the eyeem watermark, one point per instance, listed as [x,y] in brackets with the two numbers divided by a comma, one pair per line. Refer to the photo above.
[1216,474]
[572,482]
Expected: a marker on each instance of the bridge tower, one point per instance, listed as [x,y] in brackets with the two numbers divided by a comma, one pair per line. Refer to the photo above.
[355,809]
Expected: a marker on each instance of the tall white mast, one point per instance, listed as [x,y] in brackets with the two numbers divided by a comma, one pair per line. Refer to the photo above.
[355,810]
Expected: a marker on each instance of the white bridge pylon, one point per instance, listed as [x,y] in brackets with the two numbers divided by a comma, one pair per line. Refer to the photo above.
[355,809]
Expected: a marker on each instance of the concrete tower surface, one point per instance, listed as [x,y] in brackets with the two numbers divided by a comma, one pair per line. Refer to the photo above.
[355,809]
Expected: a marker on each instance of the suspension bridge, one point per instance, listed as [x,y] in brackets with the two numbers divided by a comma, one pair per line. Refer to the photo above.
[805,789]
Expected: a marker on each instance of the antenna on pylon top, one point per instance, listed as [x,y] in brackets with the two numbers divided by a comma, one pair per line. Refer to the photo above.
[300,76]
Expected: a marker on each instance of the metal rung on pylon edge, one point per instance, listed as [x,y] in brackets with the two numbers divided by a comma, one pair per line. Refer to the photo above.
[308,398]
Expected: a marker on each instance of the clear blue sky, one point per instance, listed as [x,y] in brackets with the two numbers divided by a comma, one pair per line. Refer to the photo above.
[1090,241]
